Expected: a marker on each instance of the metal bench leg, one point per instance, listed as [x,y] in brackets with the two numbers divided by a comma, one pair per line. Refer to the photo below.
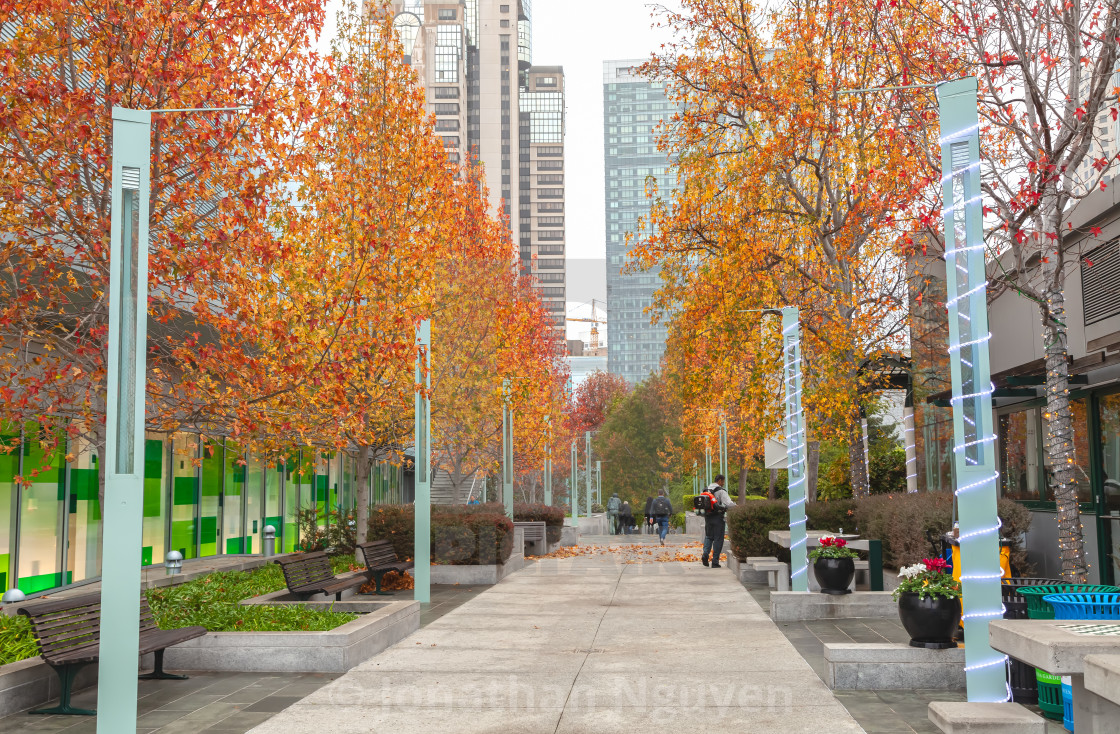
[66,676]
[377,585]
[158,673]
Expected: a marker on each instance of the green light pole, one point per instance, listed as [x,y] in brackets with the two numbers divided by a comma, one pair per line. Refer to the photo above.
[723,446]
[573,486]
[795,441]
[599,480]
[695,478]
[707,464]
[548,461]
[587,439]
[422,551]
[118,649]
[507,451]
[973,433]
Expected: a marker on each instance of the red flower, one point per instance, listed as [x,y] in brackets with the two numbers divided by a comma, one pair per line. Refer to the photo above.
[935,564]
[839,542]
[828,541]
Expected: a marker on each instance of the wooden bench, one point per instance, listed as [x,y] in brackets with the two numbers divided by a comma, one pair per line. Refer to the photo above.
[381,558]
[536,532]
[308,574]
[69,634]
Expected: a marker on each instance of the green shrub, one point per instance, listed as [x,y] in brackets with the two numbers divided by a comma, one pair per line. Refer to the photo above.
[831,515]
[212,602]
[676,520]
[339,536]
[749,526]
[488,534]
[17,641]
[553,518]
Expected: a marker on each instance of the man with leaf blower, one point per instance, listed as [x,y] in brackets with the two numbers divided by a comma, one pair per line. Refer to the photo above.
[713,504]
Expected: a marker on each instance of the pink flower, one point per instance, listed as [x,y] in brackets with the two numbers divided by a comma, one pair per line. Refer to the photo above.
[936,564]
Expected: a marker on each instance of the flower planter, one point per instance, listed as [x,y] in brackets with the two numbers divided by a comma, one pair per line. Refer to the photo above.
[835,574]
[931,622]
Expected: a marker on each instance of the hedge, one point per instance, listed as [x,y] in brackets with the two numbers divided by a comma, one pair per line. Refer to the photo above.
[687,499]
[901,522]
[461,534]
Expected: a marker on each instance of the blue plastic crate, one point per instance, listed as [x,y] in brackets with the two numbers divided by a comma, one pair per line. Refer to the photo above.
[1084,605]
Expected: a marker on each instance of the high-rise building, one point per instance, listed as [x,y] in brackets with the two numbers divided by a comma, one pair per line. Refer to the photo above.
[633,107]
[492,106]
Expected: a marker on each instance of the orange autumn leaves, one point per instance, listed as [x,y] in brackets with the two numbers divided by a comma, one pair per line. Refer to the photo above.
[294,247]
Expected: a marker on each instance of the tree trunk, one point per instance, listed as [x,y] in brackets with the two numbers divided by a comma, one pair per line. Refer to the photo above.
[742,478]
[772,491]
[857,457]
[1059,442]
[812,462]
[362,517]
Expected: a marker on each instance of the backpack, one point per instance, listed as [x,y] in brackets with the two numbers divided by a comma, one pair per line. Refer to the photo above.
[661,506]
[704,503]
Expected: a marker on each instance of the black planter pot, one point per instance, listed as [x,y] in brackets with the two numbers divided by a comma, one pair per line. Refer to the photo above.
[835,574]
[931,622]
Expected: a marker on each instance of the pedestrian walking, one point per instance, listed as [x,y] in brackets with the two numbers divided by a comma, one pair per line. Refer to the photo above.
[714,521]
[661,509]
[648,515]
[626,517]
[614,506]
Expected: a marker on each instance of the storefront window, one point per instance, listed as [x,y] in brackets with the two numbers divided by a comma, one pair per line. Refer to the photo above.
[210,505]
[41,508]
[1110,445]
[156,469]
[254,508]
[83,557]
[1079,408]
[9,469]
[233,539]
[1021,455]
[184,494]
[273,510]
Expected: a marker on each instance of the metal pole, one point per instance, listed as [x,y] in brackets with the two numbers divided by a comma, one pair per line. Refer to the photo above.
[124,422]
[599,480]
[573,487]
[707,464]
[795,440]
[695,479]
[422,552]
[507,451]
[723,447]
[548,461]
[587,439]
[974,437]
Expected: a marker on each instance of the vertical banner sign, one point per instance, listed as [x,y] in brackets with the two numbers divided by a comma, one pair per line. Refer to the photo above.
[422,552]
[573,486]
[795,442]
[548,461]
[124,422]
[587,439]
[723,448]
[973,432]
[507,451]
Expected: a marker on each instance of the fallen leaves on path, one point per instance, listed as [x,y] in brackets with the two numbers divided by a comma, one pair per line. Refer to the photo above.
[637,552]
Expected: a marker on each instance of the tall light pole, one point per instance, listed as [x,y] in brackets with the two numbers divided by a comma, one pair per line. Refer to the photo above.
[548,461]
[587,440]
[973,433]
[695,479]
[599,480]
[723,447]
[422,573]
[573,486]
[125,413]
[507,450]
[707,463]
[795,441]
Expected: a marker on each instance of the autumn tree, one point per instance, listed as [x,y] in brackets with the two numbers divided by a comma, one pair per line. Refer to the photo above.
[789,187]
[1048,92]
[66,65]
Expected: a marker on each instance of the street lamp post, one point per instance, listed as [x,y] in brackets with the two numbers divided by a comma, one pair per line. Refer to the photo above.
[599,480]
[795,441]
[548,461]
[507,451]
[573,487]
[422,573]
[707,464]
[587,441]
[723,447]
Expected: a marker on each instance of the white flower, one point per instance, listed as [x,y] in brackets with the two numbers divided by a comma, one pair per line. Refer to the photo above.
[909,572]
[826,537]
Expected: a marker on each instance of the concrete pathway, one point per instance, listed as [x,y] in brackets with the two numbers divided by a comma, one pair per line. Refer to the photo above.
[601,642]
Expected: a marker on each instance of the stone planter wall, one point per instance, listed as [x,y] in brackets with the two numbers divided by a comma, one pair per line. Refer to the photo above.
[885,666]
[477,574]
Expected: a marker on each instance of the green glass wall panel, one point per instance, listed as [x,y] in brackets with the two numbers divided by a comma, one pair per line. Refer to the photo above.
[42,582]
[273,479]
[234,468]
[41,511]
[156,470]
[185,492]
[9,468]
[293,485]
[83,557]
[254,503]
[210,501]
[146,555]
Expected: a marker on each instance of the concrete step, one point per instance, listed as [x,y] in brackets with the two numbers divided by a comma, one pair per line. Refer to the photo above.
[956,717]
[793,606]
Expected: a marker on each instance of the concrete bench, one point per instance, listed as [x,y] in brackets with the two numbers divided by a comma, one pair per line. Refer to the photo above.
[958,717]
[1102,676]
[777,573]
[877,666]
[536,534]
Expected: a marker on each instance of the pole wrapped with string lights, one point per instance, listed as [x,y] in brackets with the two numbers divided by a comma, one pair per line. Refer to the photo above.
[973,432]
[795,442]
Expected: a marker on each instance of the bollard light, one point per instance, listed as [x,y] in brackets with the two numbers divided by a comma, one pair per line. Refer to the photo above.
[269,541]
[173,562]
[11,596]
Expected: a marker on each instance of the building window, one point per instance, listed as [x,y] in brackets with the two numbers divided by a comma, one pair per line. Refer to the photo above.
[551,234]
[550,151]
[446,108]
[447,125]
[550,165]
[550,221]
[504,8]
[550,277]
[447,14]
[450,141]
[551,179]
[447,93]
[550,193]
[504,23]
[550,206]
[550,264]
[546,81]
[449,48]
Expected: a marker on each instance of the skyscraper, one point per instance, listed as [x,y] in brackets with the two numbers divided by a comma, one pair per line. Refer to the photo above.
[632,109]
[464,53]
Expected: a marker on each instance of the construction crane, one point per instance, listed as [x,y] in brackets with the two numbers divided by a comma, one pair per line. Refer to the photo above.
[594,321]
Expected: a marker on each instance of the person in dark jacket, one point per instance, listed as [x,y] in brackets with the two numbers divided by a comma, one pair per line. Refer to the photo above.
[648,516]
[714,523]
[661,509]
[626,518]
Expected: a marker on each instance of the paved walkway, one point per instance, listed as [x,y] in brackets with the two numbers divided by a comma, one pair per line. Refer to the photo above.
[600,642]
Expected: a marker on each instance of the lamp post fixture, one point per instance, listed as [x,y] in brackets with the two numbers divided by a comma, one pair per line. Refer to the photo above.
[599,480]
[125,412]
[707,464]
[723,446]
[548,461]
[573,486]
[695,479]
[587,441]
[422,573]
[507,450]
[795,441]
